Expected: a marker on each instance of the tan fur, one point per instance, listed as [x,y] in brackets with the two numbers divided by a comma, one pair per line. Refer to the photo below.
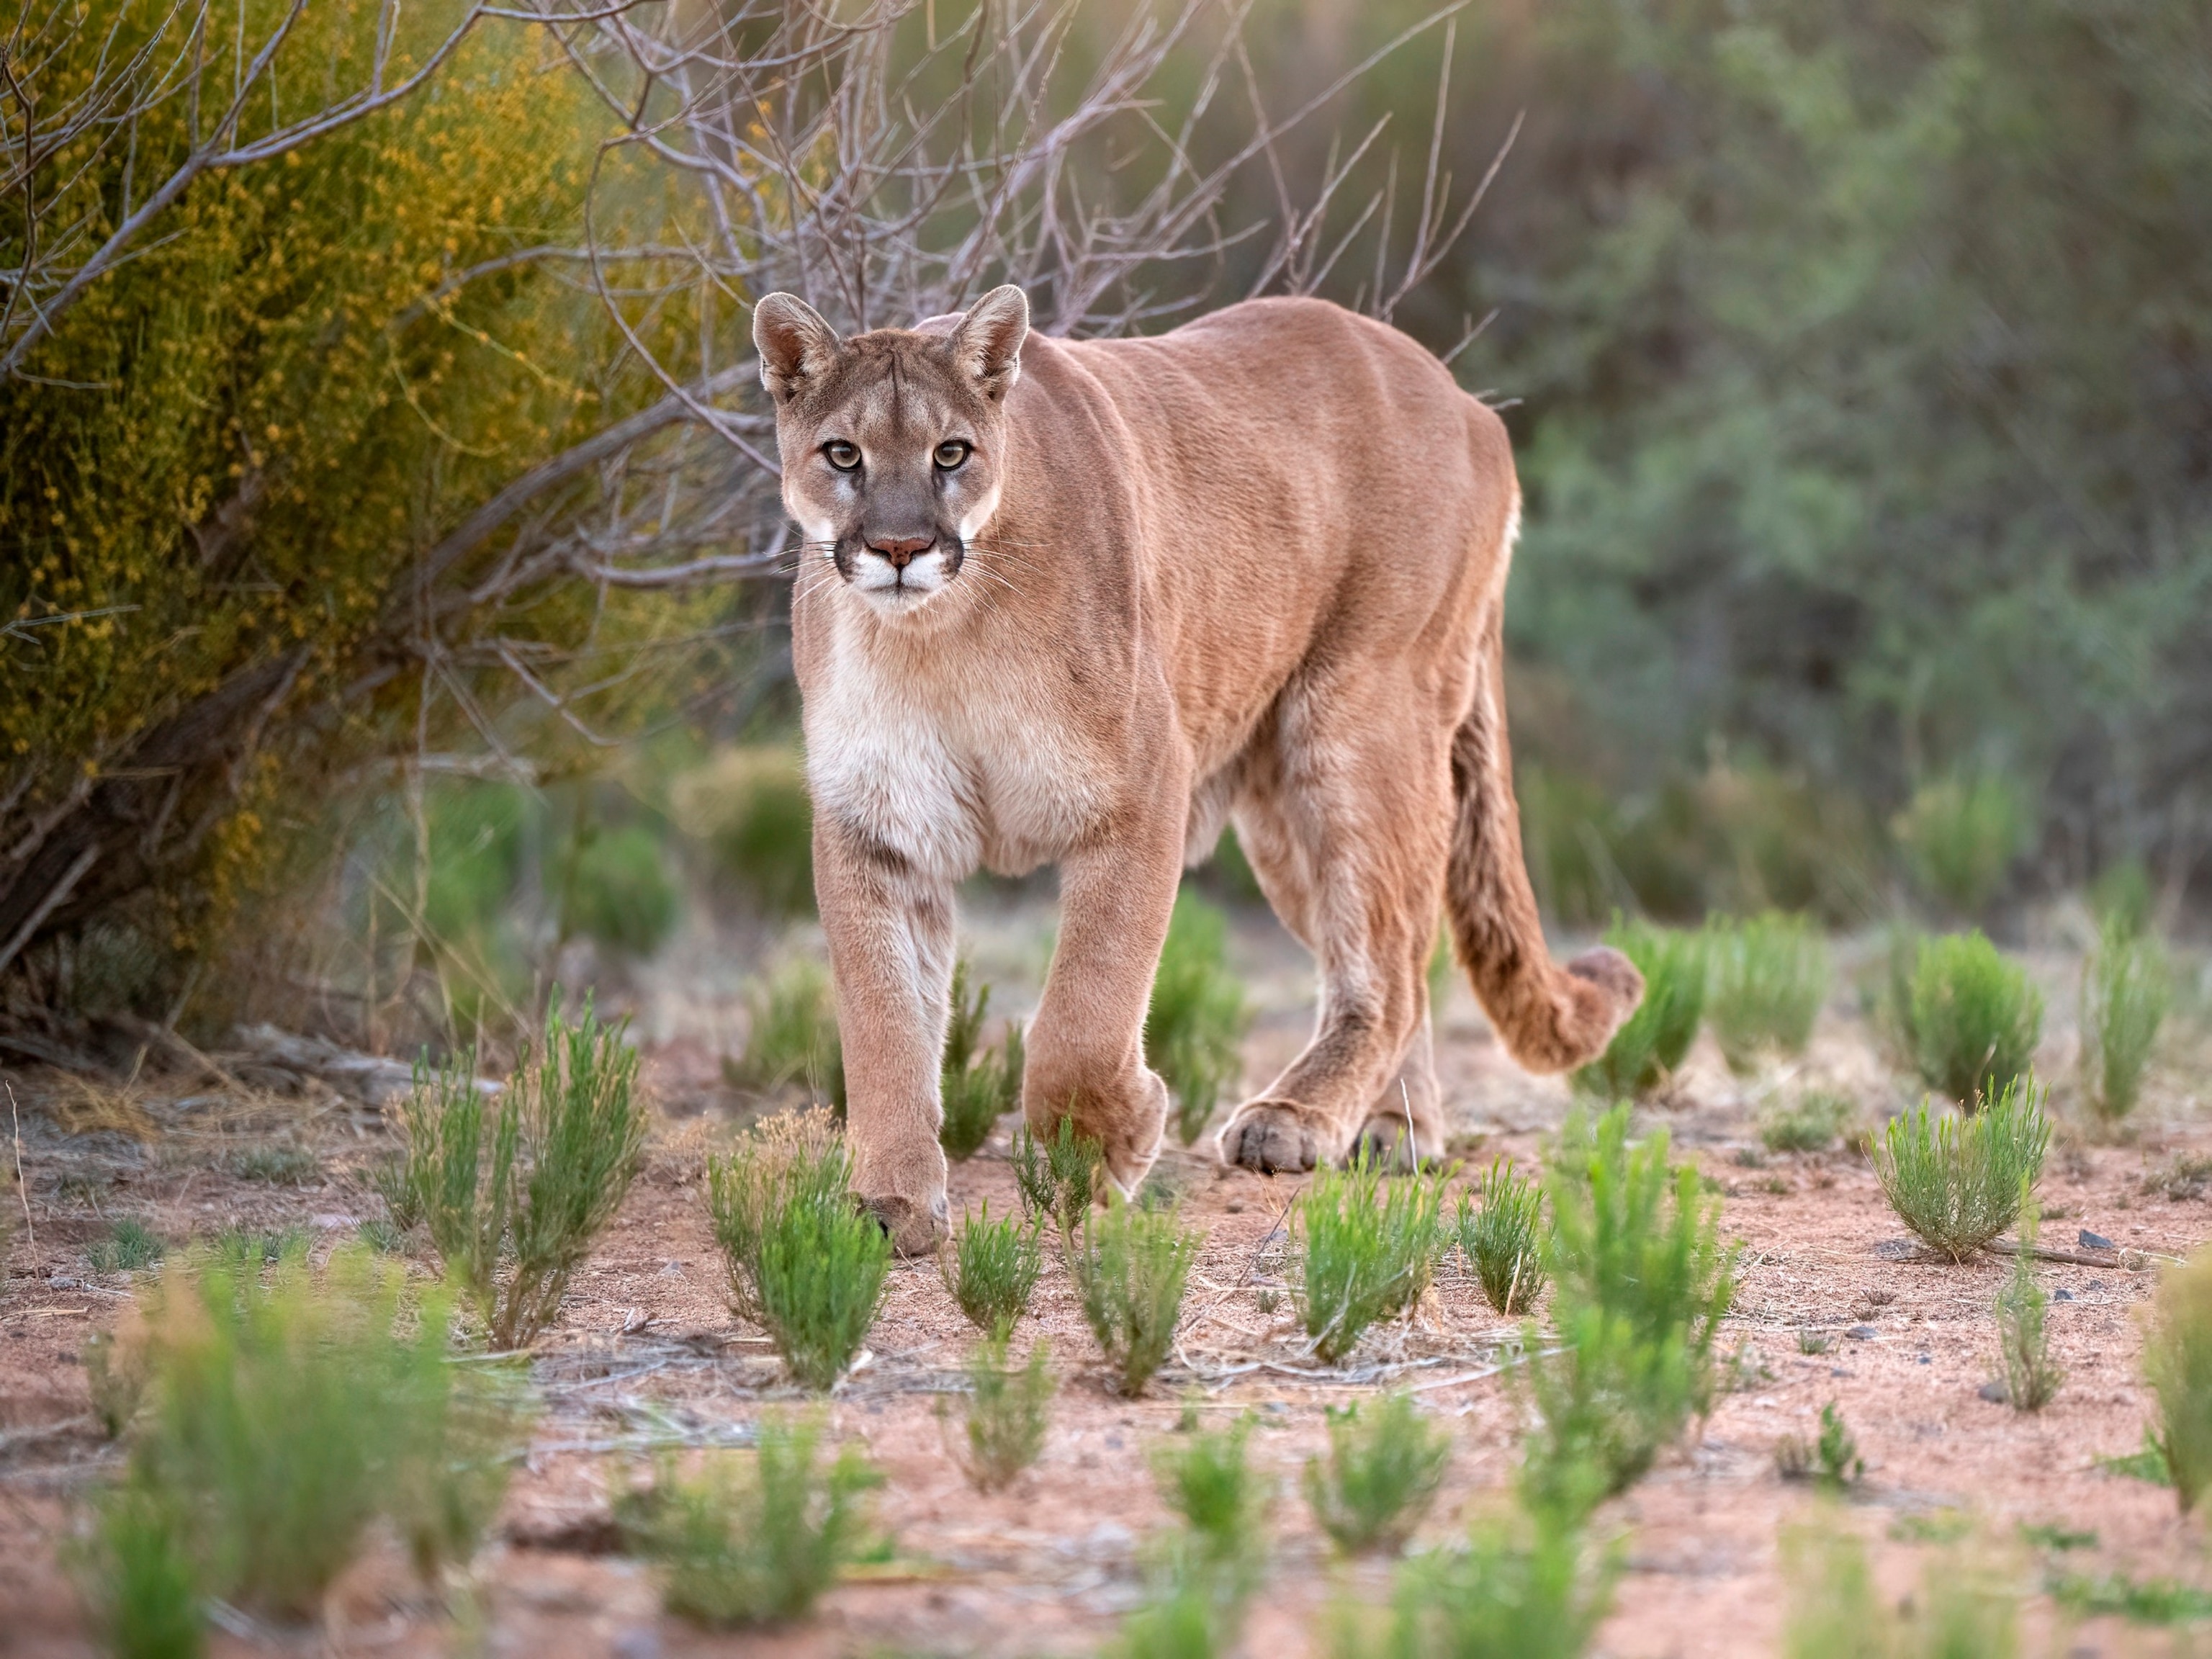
[1253,570]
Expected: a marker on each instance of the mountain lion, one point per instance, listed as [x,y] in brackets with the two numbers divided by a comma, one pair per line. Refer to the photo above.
[1082,602]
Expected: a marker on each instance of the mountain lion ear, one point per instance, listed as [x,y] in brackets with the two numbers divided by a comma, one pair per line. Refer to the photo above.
[794,343]
[988,342]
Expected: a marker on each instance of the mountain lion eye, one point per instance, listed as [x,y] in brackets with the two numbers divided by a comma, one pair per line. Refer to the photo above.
[841,455]
[951,452]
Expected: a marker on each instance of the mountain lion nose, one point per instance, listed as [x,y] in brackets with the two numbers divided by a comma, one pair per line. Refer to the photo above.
[900,550]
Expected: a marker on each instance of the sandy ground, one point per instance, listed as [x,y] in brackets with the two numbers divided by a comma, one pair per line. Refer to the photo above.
[647,1354]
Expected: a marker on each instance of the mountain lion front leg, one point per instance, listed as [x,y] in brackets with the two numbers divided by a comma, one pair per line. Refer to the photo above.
[891,936]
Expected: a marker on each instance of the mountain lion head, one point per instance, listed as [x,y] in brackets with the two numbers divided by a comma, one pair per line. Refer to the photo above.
[892,441]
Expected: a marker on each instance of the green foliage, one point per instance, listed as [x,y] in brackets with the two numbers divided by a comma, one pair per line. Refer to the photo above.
[1770,975]
[1975,1019]
[1645,1051]
[1131,1265]
[1184,1624]
[537,1183]
[1837,1611]
[1831,1461]
[2154,1601]
[1503,1238]
[1535,1592]
[1809,1123]
[805,1263]
[1385,1465]
[617,890]
[1005,1414]
[1958,1182]
[1057,1178]
[1194,1027]
[978,1088]
[143,1586]
[248,1251]
[279,1421]
[757,1547]
[129,1246]
[751,808]
[2121,899]
[995,1268]
[2031,1377]
[2177,1363]
[1366,1249]
[2126,989]
[117,1377]
[1959,836]
[1642,1284]
[1223,1504]
[792,1035]
[278,1166]
[2147,1464]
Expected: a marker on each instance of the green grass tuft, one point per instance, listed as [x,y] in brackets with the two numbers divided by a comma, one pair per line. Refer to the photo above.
[1206,1481]
[979,1087]
[1958,1182]
[747,1546]
[1961,834]
[1131,1265]
[247,1251]
[1837,1612]
[143,1586]
[1831,1462]
[1195,1027]
[2177,1363]
[1005,1414]
[1809,1123]
[617,890]
[750,809]
[1384,1467]
[1367,1246]
[1769,978]
[278,1166]
[792,1037]
[1532,1592]
[2126,990]
[1975,1019]
[1503,1238]
[1645,1051]
[2153,1602]
[996,1267]
[1057,1178]
[532,1178]
[2031,1378]
[129,1246]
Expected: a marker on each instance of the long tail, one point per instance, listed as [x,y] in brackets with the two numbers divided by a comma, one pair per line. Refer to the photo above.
[1550,1017]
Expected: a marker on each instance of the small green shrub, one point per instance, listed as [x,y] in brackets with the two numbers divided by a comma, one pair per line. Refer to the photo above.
[1131,1265]
[1007,1412]
[1195,1027]
[2126,989]
[1513,1593]
[1185,1623]
[142,1581]
[1831,1461]
[117,1374]
[1958,1181]
[278,1166]
[1836,1611]
[978,1088]
[805,1264]
[402,1200]
[129,1246]
[1975,1018]
[1891,1003]
[2177,1363]
[1057,1178]
[380,1235]
[617,890]
[2121,899]
[2153,1602]
[1645,1051]
[247,1251]
[1222,1505]
[565,1140]
[1642,1284]
[792,1037]
[1505,1239]
[750,807]
[1809,1123]
[757,1547]
[1384,1467]
[1960,836]
[2031,1378]
[1769,978]
[996,1267]
[1366,1249]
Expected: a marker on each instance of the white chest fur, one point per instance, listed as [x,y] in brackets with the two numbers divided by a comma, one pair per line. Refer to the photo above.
[952,764]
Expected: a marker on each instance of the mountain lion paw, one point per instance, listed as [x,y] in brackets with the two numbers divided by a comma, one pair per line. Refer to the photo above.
[1271,1135]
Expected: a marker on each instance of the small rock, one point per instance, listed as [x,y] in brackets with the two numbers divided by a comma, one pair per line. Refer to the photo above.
[1862,1333]
[1993,1393]
[2090,1241]
[1235,1207]
[2062,1294]
[1838,1371]
[1924,1359]
[62,1282]
[2095,1285]
[639,1642]
[1113,1443]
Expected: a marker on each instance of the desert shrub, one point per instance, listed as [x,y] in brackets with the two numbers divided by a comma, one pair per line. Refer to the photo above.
[1385,1464]
[1223,1504]
[749,808]
[1975,1019]
[116,1372]
[1831,1461]
[1769,977]
[1184,1623]
[249,1250]
[1809,1123]
[1516,1592]
[1645,1051]
[1131,1265]
[1836,1611]
[1194,1027]
[753,1545]
[1958,1182]
[1504,1237]
[129,1246]
[1057,1177]
[1005,1412]
[978,1088]
[281,1420]
[1642,1284]
[1889,1003]
[2177,1363]
[1960,836]
[996,1267]
[792,1035]
[805,1263]
[2121,899]
[565,1139]
[617,890]
[2031,1378]
[2126,989]
[278,1166]
[142,1582]
[1366,1247]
